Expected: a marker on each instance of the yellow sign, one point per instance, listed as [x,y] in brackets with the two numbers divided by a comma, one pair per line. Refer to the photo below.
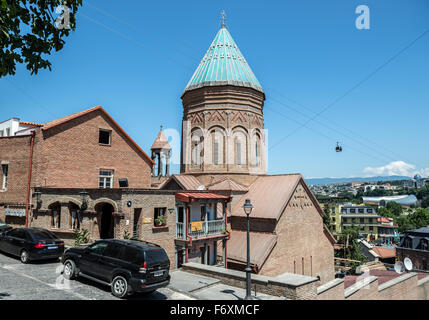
[196,226]
[147,220]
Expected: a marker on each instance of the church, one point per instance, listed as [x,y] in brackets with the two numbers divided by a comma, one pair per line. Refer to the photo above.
[105,184]
[224,150]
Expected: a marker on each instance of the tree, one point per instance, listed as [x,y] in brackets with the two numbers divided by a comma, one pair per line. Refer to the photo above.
[425,202]
[29,31]
[353,251]
[418,219]
[327,216]
[394,207]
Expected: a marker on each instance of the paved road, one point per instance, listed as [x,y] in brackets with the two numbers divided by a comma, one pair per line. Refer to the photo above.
[43,281]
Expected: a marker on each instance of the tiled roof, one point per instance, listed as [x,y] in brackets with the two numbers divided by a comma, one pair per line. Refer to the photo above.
[30,124]
[69,117]
[261,245]
[384,253]
[223,64]
[227,184]
[161,142]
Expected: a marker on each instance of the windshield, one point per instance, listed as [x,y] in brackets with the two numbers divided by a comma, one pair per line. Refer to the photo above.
[43,235]
[155,256]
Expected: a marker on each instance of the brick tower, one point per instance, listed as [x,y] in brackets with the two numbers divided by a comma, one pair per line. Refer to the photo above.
[223,124]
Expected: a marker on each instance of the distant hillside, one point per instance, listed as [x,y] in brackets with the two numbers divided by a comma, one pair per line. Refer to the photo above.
[318,181]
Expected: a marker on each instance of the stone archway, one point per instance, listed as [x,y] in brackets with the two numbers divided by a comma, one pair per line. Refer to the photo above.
[105,220]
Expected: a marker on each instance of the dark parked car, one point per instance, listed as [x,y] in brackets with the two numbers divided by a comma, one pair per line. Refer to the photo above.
[4,227]
[31,244]
[126,266]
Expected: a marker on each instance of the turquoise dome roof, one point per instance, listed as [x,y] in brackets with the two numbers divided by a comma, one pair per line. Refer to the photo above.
[223,64]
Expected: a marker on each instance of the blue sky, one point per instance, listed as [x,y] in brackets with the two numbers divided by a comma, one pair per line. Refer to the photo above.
[135,58]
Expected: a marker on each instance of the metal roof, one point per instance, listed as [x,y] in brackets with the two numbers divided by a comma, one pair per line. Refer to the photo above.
[229,185]
[269,196]
[261,245]
[223,64]
[190,196]
[186,182]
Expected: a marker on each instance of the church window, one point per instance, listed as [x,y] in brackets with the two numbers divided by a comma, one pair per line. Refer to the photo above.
[216,151]
[238,152]
[194,152]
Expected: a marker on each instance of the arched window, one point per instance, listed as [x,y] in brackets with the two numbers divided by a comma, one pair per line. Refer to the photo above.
[217,145]
[257,146]
[238,150]
[197,147]
[56,216]
[240,146]
[74,216]
[216,151]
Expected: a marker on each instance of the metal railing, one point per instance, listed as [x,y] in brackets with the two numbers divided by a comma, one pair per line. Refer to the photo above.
[209,228]
[180,230]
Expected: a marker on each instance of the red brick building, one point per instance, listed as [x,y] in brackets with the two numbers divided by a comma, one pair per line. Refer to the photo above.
[87,149]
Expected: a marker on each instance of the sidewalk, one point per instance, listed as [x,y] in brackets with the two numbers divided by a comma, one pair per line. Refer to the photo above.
[205,288]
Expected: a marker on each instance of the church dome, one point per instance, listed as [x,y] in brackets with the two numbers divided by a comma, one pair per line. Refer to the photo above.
[223,64]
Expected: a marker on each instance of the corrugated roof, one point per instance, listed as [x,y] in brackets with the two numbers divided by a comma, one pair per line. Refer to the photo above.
[188,196]
[223,64]
[227,184]
[269,196]
[261,245]
[187,182]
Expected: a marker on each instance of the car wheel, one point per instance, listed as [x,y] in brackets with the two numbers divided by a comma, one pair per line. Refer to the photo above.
[120,287]
[69,270]
[24,256]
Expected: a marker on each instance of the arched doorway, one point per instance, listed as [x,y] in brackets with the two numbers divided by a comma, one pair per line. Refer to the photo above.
[106,222]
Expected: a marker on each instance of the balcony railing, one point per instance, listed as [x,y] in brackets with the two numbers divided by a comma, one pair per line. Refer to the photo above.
[209,228]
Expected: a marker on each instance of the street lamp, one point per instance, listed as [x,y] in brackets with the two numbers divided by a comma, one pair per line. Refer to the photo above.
[38,195]
[248,207]
[83,195]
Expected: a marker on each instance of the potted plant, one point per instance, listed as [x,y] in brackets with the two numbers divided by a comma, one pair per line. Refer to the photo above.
[160,221]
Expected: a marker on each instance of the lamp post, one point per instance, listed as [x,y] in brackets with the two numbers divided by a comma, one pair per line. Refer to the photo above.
[83,194]
[247,207]
[38,195]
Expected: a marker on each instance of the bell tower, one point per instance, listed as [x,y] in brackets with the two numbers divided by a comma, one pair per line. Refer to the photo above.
[223,123]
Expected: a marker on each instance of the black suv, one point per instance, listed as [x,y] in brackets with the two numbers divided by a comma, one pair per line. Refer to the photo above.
[4,227]
[126,265]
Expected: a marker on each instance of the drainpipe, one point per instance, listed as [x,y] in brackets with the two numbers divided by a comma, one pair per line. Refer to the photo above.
[187,232]
[27,202]
[226,240]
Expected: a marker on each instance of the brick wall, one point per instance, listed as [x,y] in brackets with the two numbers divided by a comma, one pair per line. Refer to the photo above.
[416,256]
[15,152]
[143,201]
[402,288]
[69,155]
[302,247]
[332,290]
